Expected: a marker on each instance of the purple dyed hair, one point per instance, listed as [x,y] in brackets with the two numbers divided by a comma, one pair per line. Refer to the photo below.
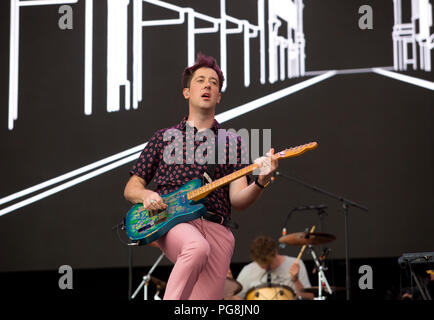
[202,61]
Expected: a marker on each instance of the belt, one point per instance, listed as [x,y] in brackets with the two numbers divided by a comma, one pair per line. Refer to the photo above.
[219,219]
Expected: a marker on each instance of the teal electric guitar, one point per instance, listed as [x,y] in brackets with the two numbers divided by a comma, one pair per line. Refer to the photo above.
[184,204]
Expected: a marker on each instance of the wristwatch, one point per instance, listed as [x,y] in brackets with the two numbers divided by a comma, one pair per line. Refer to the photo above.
[260,185]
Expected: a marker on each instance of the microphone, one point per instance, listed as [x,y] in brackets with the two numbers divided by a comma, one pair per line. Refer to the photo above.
[311,207]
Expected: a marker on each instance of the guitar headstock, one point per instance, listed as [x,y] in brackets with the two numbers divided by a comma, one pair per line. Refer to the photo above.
[296,151]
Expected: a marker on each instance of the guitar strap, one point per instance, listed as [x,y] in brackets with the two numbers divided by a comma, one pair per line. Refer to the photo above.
[220,144]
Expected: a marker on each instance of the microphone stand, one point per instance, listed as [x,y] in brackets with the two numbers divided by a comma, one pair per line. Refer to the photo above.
[321,213]
[345,205]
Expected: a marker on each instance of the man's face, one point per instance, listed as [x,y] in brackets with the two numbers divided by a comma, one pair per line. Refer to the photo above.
[204,89]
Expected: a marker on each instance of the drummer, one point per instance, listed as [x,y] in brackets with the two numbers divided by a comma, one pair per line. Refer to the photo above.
[283,269]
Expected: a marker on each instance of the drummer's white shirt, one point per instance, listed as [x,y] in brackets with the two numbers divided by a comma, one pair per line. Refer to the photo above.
[253,275]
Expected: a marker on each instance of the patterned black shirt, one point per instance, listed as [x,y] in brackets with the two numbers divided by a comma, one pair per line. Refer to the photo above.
[169,177]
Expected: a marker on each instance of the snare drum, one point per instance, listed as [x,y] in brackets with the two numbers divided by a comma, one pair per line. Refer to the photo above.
[271,292]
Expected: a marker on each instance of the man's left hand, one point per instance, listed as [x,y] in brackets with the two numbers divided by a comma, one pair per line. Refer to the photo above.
[267,166]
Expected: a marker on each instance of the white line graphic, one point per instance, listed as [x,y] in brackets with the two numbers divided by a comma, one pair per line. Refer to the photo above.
[88,55]
[410,33]
[238,111]
[14,53]
[71,174]
[286,43]
[286,60]
[402,77]
[292,46]
[118,84]
[190,16]
[345,71]
[117,54]
[69,184]
[223,117]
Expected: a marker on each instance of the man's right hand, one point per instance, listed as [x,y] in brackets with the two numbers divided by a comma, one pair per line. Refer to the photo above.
[136,192]
[293,271]
[153,202]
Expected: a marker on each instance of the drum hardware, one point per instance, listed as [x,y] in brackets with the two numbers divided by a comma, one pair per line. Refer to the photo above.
[314,289]
[308,239]
[322,280]
[161,285]
[320,210]
[146,279]
[346,204]
[323,256]
[304,246]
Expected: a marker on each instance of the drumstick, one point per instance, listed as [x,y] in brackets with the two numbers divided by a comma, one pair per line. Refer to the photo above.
[304,246]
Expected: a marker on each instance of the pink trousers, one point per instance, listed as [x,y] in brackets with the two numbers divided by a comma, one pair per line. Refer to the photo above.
[201,251]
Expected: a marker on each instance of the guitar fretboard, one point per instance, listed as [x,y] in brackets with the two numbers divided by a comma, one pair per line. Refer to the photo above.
[202,192]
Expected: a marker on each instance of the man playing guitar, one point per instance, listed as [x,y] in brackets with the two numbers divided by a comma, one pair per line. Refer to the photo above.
[200,249]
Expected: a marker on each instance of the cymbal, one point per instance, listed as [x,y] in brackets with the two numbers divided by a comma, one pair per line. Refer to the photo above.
[302,238]
[159,283]
[315,289]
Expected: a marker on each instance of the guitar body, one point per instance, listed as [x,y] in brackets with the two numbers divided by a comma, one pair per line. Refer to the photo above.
[140,225]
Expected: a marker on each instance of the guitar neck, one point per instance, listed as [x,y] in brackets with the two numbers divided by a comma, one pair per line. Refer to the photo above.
[203,191]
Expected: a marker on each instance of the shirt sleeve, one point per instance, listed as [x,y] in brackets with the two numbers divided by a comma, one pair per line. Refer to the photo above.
[146,165]
[243,280]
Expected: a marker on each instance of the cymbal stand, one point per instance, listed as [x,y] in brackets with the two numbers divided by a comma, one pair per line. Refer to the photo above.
[146,279]
[321,276]
[157,294]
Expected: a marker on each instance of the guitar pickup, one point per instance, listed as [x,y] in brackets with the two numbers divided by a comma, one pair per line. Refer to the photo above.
[144,228]
[161,220]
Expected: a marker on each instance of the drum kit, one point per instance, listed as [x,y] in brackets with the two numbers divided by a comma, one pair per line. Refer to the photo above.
[271,292]
[309,239]
[274,291]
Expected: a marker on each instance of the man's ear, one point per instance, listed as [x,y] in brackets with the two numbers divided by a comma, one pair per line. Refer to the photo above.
[219,98]
[186,93]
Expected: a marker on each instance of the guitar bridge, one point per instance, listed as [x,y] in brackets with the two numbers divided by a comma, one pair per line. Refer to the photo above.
[154,213]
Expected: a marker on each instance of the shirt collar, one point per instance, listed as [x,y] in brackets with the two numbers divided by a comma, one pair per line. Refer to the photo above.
[215,125]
